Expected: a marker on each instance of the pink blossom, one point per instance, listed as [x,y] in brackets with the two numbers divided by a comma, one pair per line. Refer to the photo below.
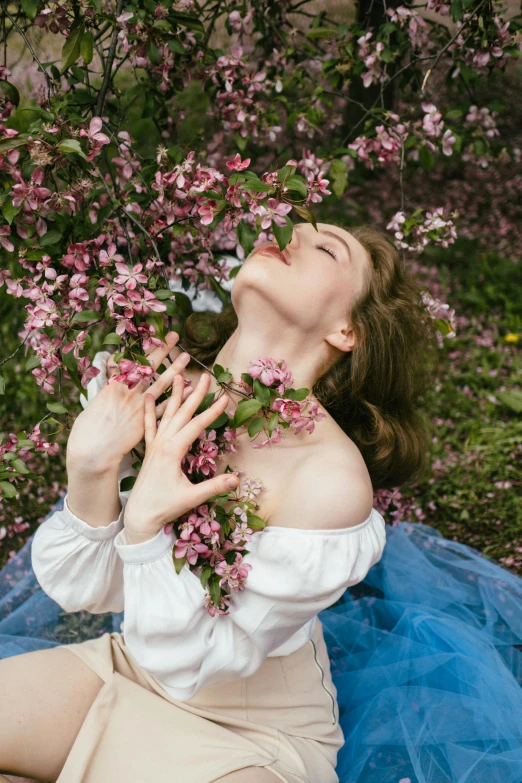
[131,373]
[237,165]
[273,212]
[272,441]
[233,575]
[86,370]
[30,194]
[289,410]
[191,548]
[130,278]
[269,372]
[6,243]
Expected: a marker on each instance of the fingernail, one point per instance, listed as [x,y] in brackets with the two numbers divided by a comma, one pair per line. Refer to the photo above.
[231,482]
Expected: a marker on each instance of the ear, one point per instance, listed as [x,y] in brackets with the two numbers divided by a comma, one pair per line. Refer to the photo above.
[344,339]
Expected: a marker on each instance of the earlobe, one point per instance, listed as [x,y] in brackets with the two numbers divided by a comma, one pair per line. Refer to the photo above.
[344,340]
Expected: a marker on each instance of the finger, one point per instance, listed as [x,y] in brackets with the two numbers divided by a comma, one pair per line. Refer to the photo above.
[150,419]
[189,407]
[195,426]
[166,378]
[111,366]
[173,402]
[157,355]
[226,482]
[162,405]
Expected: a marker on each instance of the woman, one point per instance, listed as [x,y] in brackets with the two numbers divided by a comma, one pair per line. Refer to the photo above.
[247,697]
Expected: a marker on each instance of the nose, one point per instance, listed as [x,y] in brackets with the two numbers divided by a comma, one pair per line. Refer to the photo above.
[294,242]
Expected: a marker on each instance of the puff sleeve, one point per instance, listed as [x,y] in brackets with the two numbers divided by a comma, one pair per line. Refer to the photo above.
[77,565]
[295,575]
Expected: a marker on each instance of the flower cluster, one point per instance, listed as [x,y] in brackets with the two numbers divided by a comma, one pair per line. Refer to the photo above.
[212,538]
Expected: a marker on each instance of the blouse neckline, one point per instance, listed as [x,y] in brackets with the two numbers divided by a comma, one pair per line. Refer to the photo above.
[336,531]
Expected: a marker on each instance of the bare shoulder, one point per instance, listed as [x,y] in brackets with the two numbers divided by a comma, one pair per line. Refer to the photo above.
[330,488]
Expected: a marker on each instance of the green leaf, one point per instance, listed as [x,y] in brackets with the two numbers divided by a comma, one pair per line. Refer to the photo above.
[339,176]
[8,490]
[32,362]
[297,394]
[153,53]
[71,47]
[512,399]
[10,92]
[56,407]
[176,46]
[163,293]
[86,315]
[50,238]
[214,588]
[205,403]
[112,339]
[86,47]
[78,73]
[255,426]
[72,368]
[221,420]
[2,384]
[206,573]
[24,443]
[72,145]
[142,360]
[247,236]
[10,212]
[321,32]
[255,522]
[179,562]
[262,392]
[273,422]
[187,20]
[285,172]
[30,8]
[426,158]
[443,326]
[16,141]
[257,186]
[20,466]
[283,234]
[298,184]
[127,483]
[246,409]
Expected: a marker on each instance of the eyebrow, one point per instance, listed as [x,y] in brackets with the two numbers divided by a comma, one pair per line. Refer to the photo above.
[336,236]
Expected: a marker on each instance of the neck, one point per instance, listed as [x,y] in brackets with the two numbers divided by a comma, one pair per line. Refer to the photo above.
[305,364]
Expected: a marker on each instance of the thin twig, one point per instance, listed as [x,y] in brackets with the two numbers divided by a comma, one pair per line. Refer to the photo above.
[108,66]
[3,361]
[48,80]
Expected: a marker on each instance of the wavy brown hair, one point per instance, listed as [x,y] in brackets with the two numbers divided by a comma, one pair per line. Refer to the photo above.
[374,391]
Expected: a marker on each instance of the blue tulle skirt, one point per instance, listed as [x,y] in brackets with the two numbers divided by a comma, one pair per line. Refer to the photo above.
[426,655]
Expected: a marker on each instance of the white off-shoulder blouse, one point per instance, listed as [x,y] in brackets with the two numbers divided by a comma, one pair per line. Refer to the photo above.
[296,573]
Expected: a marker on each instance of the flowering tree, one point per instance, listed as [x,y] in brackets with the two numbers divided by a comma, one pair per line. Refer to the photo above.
[163,135]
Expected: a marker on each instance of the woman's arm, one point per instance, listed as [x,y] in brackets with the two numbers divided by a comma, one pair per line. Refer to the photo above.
[73,553]
[296,573]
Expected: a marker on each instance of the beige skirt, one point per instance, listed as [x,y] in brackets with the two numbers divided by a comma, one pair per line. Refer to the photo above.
[284,717]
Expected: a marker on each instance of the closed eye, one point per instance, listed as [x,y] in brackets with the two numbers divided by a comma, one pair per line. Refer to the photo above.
[327,249]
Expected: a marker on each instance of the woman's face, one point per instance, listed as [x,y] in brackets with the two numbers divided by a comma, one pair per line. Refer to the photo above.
[315,292]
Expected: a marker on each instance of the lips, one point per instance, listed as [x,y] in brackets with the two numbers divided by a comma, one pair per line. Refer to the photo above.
[273,250]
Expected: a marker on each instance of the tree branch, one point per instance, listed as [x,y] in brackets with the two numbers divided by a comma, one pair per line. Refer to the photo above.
[108,68]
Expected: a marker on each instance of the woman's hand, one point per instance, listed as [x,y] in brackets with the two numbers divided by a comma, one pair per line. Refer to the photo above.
[162,492]
[113,422]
